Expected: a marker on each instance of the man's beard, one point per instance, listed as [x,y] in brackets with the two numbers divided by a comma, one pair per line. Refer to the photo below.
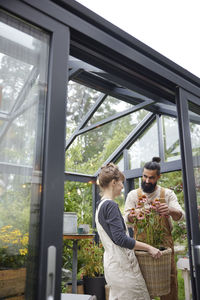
[148,187]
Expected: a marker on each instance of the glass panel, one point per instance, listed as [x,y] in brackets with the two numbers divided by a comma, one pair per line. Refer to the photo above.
[144,148]
[109,107]
[195,140]
[20,150]
[120,163]
[80,100]
[14,75]
[2,124]
[91,149]
[24,54]
[171,138]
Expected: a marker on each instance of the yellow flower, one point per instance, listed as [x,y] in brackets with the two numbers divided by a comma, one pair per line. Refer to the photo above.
[13,247]
[23,251]
[4,228]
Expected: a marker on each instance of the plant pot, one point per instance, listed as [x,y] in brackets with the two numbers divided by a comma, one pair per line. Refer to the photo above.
[156,272]
[12,282]
[69,223]
[95,286]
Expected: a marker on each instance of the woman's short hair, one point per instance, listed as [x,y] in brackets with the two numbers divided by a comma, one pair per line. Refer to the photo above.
[154,164]
[108,173]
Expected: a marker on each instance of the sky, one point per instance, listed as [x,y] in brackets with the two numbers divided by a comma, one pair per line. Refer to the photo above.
[171,27]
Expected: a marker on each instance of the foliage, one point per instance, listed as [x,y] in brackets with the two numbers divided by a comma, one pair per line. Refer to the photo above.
[148,223]
[15,206]
[92,259]
[78,198]
[173,181]
[13,247]
[67,255]
[181,289]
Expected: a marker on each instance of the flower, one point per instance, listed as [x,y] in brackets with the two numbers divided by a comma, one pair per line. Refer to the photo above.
[148,223]
[92,259]
[13,247]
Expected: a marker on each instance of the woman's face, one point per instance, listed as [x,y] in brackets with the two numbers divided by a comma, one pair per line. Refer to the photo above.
[118,186]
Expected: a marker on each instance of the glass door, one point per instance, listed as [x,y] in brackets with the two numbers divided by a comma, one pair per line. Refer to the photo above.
[189,125]
[24,67]
[32,131]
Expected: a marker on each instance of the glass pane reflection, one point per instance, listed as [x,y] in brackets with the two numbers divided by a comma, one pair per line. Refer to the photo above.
[80,100]
[91,149]
[171,138]
[195,140]
[120,163]
[109,107]
[14,74]
[144,148]
[24,56]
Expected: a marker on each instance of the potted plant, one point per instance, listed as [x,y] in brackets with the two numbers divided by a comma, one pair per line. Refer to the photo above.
[147,223]
[92,269]
[148,228]
[13,253]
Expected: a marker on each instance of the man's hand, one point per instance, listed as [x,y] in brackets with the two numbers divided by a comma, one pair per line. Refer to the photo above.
[164,210]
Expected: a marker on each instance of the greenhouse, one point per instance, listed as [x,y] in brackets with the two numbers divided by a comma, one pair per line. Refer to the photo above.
[77,93]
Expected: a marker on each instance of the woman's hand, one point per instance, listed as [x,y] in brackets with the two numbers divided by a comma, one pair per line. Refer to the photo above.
[155,253]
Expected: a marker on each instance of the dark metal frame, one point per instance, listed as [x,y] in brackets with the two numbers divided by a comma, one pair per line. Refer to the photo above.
[183,97]
[51,210]
[118,58]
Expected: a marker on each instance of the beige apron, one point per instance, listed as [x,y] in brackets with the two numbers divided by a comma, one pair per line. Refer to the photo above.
[121,269]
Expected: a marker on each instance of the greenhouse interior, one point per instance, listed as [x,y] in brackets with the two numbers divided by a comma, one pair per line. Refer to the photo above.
[77,93]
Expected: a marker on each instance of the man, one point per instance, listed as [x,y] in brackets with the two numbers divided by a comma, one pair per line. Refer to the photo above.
[168,207]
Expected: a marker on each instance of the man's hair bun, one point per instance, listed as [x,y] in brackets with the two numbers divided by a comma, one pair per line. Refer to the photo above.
[156,159]
[153,165]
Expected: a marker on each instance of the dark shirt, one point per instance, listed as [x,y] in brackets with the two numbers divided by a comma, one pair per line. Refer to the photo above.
[112,222]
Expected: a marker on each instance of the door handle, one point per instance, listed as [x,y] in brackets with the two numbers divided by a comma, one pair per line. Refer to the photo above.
[51,272]
[197,254]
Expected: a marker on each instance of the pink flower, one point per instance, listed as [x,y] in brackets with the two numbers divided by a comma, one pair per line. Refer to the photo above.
[133,212]
[140,215]
[140,204]
[156,201]
[148,223]
[153,206]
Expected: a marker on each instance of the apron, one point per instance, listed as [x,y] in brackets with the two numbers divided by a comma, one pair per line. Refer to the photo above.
[121,269]
[173,295]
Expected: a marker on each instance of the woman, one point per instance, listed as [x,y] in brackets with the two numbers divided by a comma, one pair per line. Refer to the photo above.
[121,268]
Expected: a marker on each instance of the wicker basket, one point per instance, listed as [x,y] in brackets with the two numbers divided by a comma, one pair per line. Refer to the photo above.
[156,272]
